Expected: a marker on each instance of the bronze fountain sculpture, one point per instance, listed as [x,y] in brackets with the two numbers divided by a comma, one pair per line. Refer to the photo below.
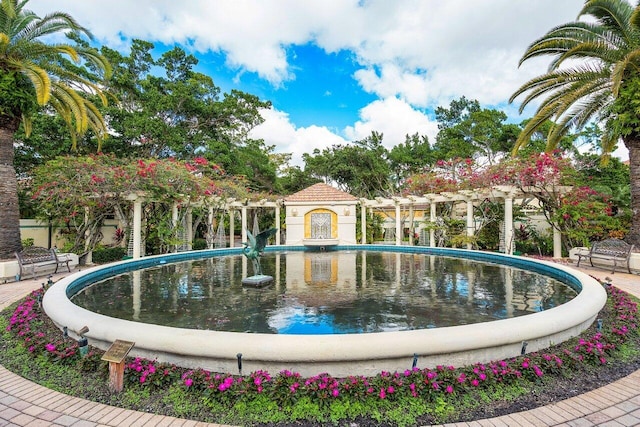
[253,250]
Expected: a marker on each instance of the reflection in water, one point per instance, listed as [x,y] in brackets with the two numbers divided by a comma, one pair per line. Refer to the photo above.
[325,293]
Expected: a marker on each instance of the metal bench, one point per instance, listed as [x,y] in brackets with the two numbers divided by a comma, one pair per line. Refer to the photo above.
[35,258]
[611,250]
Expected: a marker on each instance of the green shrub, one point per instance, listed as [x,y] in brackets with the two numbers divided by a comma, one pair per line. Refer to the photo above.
[199,244]
[103,255]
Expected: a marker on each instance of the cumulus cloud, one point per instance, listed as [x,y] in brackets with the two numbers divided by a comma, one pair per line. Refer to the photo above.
[405,37]
[278,130]
[395,119]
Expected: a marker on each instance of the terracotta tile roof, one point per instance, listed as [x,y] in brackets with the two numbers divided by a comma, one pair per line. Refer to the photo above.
[320,192]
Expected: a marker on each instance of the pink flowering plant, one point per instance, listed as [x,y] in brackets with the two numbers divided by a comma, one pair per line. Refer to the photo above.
[150,373]
[26,323]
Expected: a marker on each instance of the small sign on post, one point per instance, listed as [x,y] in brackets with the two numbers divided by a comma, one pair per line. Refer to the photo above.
[115,355]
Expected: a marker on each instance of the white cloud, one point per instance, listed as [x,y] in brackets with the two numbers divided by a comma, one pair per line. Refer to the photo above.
[395,119]
[278,130]
[477,42]
[392,117]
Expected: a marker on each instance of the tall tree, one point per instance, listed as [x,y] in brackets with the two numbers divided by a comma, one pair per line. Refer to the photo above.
[360,168]
[411,157]
[167,109]
[593,76]
[468,131]
[33,74]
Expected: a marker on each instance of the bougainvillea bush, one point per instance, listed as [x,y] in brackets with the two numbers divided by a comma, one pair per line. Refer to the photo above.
[78,193]
[286,395]
[579,211]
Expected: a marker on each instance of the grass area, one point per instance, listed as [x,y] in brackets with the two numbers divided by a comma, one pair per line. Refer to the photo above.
[35,349]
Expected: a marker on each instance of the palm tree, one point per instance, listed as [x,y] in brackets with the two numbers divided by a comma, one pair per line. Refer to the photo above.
[594,76]
[35,74]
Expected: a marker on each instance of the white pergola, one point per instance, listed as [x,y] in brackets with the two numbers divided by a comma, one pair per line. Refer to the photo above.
[503,192]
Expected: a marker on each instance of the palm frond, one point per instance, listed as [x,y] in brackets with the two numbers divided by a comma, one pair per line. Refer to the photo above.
[613,14]
[38,77]
[74,102]
[628,64]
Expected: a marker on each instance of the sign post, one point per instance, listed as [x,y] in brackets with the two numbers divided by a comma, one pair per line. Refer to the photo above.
[115,355]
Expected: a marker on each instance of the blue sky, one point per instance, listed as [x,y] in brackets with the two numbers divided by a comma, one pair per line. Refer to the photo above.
[335,70]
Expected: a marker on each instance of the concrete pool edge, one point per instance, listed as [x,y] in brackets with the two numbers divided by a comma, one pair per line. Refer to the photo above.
[339,355]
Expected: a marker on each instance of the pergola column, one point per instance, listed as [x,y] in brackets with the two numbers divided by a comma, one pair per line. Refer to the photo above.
[87,239]
[363,222]
[174,222]
[277,223]
[137,228]
[508,225]
[210,228]
[398,225]
[243,222]
[432,219]
[557,242]
[470,224]
[232,226]
[411,229]
[189,230]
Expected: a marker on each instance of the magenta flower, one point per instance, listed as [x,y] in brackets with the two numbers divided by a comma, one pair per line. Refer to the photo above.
[188,382]
[382,394]
[50,347]
[449,389]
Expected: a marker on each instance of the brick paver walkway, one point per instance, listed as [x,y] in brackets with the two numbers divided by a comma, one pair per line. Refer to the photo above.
[24,403]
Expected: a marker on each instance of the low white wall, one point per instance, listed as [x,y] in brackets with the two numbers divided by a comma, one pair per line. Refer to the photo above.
[9,270]
[339,355]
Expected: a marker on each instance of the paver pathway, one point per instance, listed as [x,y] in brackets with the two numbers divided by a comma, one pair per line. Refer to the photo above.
[24,403]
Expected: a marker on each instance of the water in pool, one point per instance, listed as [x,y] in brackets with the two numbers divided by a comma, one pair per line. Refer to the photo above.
[325,293]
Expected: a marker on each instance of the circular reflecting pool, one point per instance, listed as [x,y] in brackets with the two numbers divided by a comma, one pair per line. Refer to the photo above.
[334,292]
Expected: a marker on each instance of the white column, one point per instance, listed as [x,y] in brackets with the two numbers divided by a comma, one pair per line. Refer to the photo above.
[232,227]
[363,222]
[398,225]
[277,224]
[470,228]
[174,222]
[411,229]
[189,230]
[243,222]
[87,239]
[432,219]
[557,243]
[508,225]
[137,227]
[211,228]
